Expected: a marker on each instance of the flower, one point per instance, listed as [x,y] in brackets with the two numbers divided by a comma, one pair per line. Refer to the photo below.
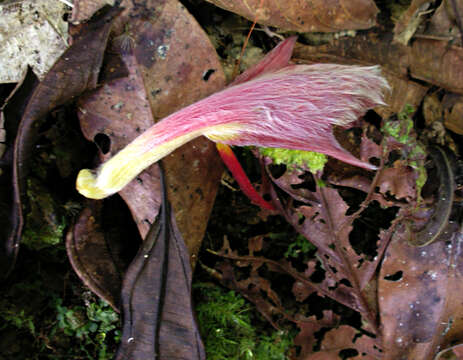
[271,105]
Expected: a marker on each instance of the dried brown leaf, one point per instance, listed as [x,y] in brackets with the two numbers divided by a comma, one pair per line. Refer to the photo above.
[419,294]
[343,338]
[315,15]
[308,327]
[84,9]
[438,63]
[444,23]
[398,181]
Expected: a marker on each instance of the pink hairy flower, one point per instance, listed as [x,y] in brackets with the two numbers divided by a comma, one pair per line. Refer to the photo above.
[271,105]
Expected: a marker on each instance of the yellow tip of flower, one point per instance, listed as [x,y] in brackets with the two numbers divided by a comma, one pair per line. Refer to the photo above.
[86,185]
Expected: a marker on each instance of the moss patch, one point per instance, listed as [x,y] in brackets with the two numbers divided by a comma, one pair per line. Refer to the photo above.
[310,160]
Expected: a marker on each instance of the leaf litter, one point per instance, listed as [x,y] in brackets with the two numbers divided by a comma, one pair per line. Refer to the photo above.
[326,207]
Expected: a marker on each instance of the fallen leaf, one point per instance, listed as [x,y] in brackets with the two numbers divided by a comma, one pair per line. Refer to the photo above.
[156,297]
[316,15]
[419,294]
[343,338]
[398,181]
[308,328]
[444,23]
[438,63]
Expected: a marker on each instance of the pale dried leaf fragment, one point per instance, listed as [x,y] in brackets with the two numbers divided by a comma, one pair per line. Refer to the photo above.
[410,20]
[32,33]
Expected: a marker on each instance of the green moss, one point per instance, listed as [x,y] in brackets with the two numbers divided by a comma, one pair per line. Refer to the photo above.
[226,323]
[301,245]
[401,130]
[44,224]
[91,325]
[305,159]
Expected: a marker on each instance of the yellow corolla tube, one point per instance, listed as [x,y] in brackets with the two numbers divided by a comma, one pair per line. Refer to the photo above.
[122,168]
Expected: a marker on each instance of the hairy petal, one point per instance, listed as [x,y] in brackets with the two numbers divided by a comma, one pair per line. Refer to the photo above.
[275,60]
[294,107]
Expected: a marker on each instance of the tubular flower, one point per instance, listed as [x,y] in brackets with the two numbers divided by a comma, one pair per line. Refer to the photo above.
[292,106]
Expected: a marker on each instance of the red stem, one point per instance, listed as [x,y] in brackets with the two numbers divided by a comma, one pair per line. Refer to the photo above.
[232,163]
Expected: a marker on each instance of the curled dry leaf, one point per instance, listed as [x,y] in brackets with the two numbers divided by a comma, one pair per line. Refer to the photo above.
[444,22]
[75,72]
[315,15]
[100,252]
[84,9]
[410,20]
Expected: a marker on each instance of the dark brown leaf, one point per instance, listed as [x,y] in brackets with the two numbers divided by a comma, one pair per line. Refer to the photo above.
[444,22]
[308,327]
[398,181]
[316,15]
[156,297]
[75,71]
